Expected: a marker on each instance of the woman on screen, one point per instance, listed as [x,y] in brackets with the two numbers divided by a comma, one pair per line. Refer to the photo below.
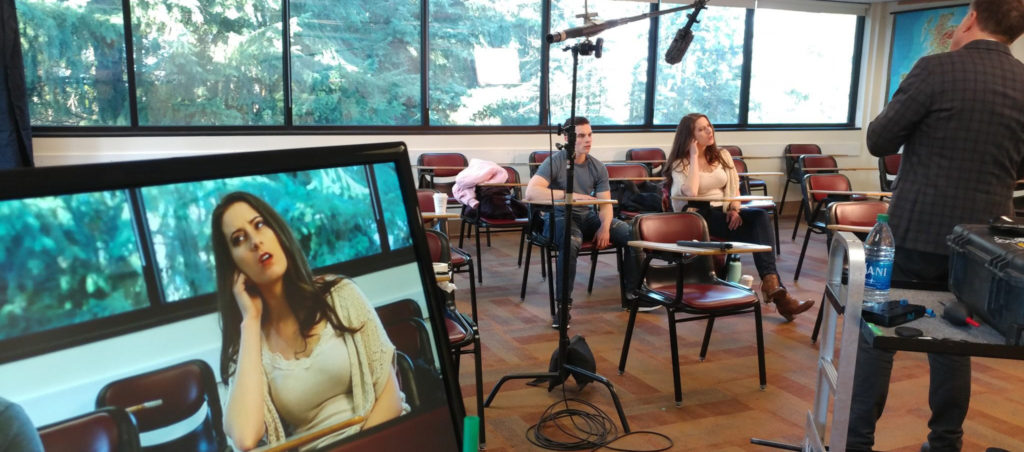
[698,168]
[299,353]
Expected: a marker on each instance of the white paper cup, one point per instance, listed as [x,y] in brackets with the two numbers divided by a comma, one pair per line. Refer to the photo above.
[440,203]
[441,268]
[746,280]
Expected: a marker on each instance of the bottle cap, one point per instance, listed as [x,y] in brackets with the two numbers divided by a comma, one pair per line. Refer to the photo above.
[883,218]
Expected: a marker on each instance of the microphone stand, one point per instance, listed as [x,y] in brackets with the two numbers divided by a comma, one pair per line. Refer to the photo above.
[564,368]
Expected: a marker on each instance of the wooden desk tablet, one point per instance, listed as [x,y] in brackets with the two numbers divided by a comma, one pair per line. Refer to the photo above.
[737,247]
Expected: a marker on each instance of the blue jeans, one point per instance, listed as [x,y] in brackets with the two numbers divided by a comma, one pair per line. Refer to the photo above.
[584,226]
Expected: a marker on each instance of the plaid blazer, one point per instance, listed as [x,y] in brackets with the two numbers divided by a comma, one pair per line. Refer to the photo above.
[960,119]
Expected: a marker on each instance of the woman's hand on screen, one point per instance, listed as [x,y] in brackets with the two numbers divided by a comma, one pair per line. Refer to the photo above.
[248,297]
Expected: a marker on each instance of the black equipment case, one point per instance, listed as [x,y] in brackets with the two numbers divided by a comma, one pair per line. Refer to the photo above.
[986,272]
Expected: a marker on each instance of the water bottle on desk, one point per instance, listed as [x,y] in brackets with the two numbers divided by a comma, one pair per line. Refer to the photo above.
[879,249]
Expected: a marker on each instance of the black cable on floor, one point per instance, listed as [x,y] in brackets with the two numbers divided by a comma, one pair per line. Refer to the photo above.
[588,425]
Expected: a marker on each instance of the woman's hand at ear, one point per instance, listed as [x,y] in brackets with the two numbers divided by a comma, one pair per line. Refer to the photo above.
[250,303]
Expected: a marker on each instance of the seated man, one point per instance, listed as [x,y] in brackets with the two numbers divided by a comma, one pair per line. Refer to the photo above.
[590,181]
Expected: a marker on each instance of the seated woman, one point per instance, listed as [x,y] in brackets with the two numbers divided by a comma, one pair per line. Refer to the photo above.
[698,168]
[299,353]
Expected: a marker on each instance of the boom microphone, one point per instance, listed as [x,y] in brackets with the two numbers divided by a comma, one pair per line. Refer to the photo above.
[593,29]
[682,41]
[684,36]
[584,31]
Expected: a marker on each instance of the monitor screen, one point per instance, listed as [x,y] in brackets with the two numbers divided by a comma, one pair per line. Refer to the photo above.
[276,268]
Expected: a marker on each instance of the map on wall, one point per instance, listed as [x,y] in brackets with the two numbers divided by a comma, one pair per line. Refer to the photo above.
[919,33]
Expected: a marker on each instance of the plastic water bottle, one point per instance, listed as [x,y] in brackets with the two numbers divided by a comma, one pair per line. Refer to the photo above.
[735,269]
[879,249]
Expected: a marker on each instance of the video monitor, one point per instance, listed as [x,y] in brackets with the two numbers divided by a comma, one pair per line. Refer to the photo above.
[310,264]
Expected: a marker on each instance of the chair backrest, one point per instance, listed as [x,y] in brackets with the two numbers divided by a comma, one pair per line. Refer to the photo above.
[816,162]
[513,177]
[739,164]
[425,199]
[830,181]
[182,389]
[403,321]
[888,168]
[670,227]
[647,154]
[453,159]
[404,324]
[537,157]
[856,213]
[741,167]
[623,170]
[734,150]
[104,430]
[791,162]
[437,243]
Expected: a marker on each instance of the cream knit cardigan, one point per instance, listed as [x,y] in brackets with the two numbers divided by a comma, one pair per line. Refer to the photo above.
[370,352]
[679,178]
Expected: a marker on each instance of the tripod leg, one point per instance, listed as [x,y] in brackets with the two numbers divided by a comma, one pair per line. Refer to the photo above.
[497,387]
[611,390]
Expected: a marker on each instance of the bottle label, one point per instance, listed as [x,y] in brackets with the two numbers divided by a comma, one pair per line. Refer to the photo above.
[879,274]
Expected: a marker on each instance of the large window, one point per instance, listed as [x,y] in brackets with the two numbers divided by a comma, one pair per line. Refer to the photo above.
[799,80]
[67,259]
[414,64]
[708,80]
[208,63]
[610,89]
[74,56]
[485,62]
[356,62]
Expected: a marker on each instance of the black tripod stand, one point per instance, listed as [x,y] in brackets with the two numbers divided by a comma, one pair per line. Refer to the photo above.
[584,48]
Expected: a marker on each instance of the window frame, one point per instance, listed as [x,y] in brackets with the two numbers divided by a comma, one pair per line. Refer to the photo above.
[426,128]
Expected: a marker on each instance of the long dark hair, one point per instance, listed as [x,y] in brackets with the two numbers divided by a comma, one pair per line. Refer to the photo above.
[306,295]
[680,153]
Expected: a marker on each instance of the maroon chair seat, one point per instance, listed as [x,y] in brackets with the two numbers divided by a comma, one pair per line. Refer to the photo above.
[708,296]
[456,333]
[687,288]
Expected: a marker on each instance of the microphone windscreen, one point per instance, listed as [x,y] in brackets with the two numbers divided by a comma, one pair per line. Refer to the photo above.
[677,49]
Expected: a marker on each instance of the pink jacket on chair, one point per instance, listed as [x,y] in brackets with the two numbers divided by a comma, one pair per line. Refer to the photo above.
[478,172]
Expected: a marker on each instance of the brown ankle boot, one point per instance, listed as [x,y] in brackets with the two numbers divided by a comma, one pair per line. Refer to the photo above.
[788,306]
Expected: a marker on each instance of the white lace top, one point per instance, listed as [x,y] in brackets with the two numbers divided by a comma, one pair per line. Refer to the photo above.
[341,377]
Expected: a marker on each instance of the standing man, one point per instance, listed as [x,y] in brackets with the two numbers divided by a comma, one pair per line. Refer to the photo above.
[959,116]
[590,181]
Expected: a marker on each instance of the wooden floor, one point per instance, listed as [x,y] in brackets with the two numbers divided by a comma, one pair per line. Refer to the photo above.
[723,407]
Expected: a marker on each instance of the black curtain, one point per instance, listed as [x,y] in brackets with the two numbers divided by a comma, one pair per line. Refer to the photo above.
[15,132]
